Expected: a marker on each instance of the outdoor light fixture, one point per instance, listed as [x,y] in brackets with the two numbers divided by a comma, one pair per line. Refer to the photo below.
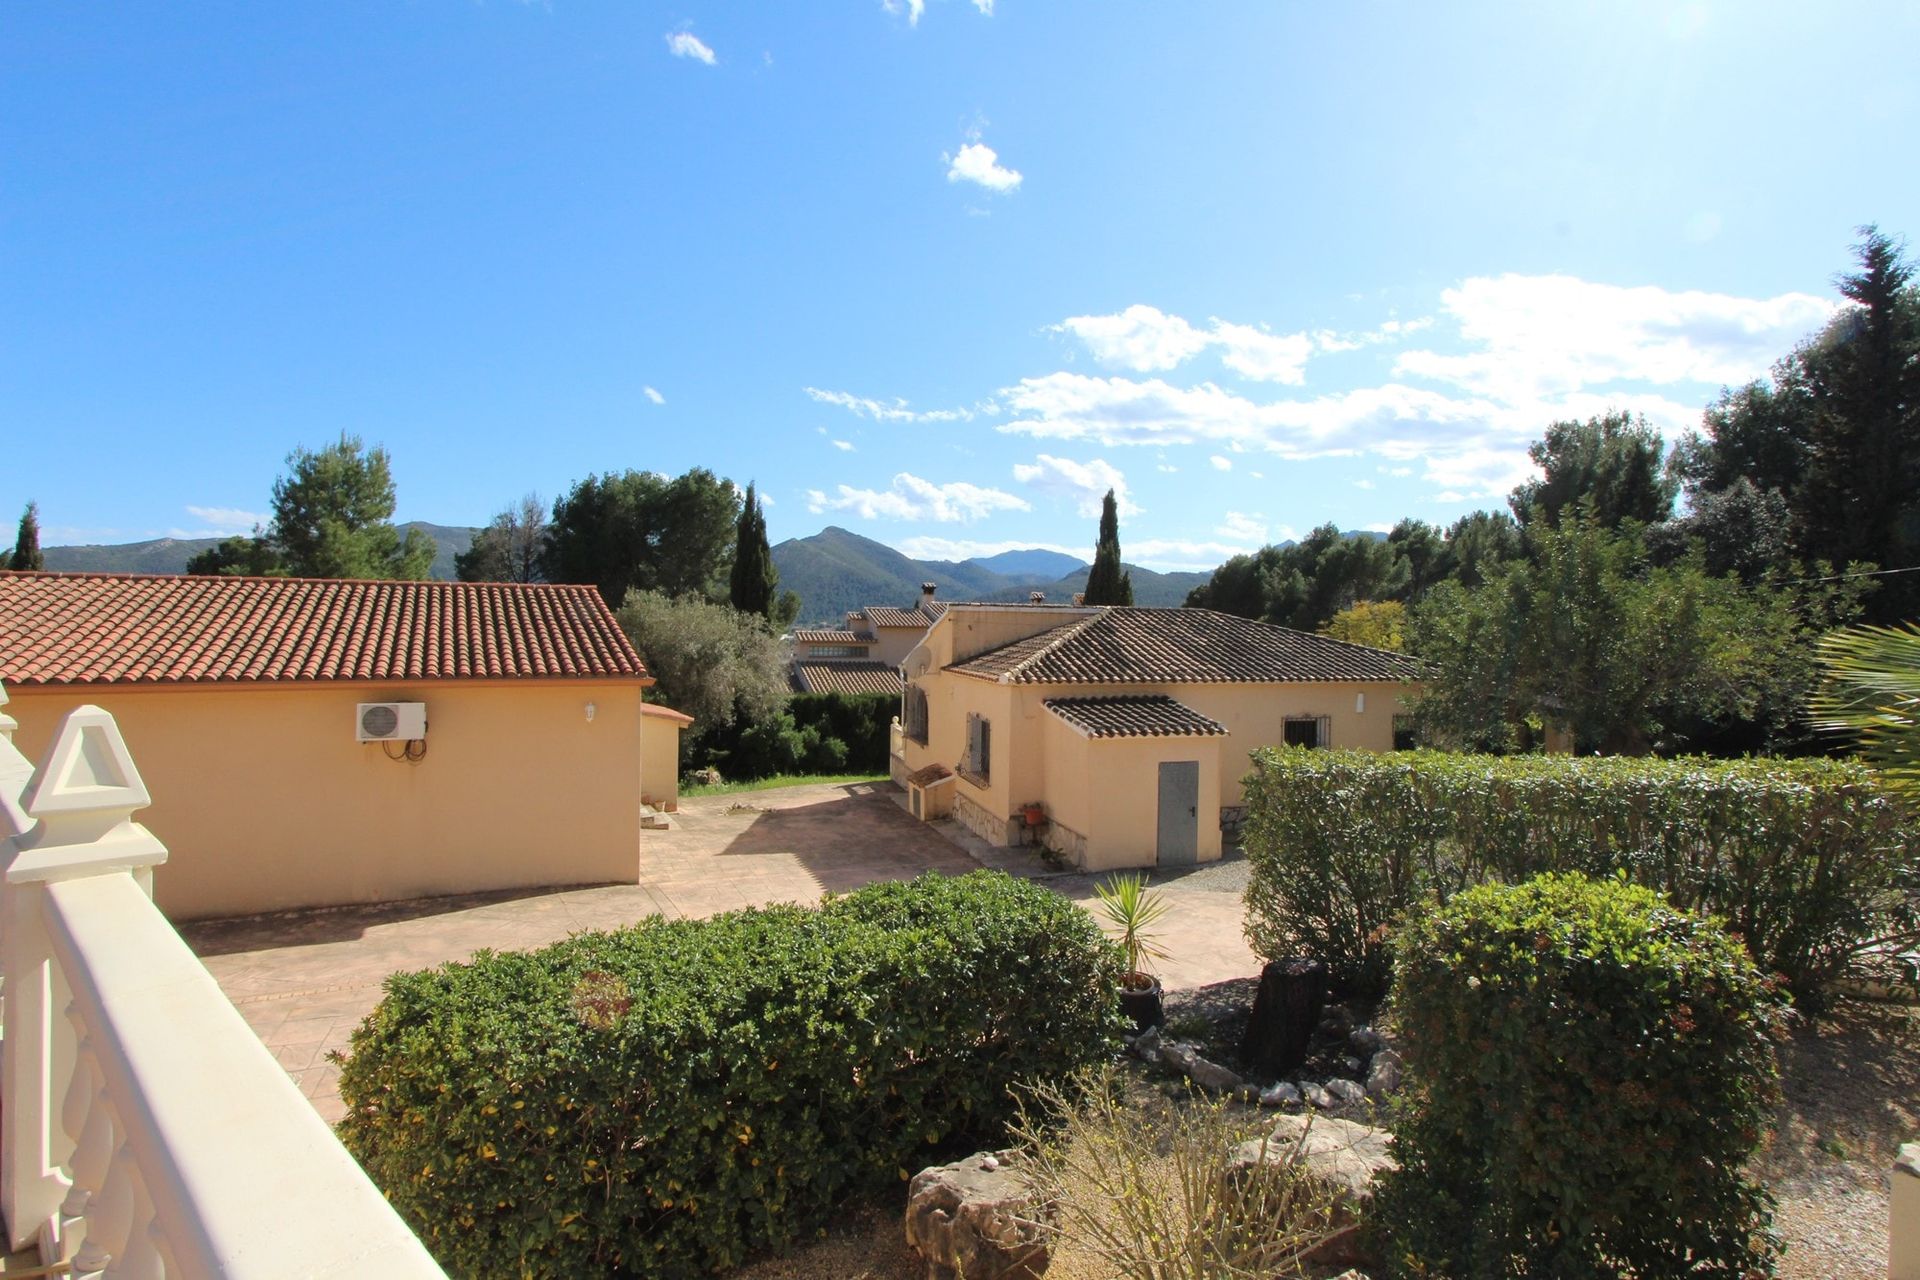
[589,713]
[1359,705]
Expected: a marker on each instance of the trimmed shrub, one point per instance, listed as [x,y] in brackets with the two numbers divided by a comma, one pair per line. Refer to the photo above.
[1808,861]
[1587,1071]
[664,1100]
[858,720]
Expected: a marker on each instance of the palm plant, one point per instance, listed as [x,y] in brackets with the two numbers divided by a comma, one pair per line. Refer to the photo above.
[1872,690]
[1132,908]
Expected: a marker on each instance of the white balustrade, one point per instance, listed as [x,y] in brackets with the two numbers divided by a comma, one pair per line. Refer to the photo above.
[896,742]
[146,1132]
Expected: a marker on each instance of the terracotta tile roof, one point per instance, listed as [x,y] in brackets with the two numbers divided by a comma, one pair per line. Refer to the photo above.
[810,635]
[827,676]
[665,713]
[1189,646]
[1135,716]
[882,616]
[96,628]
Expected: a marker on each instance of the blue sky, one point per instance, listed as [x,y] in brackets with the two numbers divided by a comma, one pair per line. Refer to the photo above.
[939,272]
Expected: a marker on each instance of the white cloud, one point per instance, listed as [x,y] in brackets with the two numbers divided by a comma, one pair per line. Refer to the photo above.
[685,44]
[977,162]
[984,6]
[653,395]
[1146,339]
[1142,338]
[1241,527]
[1220,463]
[1084,482]
[1171,554]
[912,8]
[223,522]
[1551,335]
[844,446]
[1167,468]
[1363,484]
[911,498]
[896,410]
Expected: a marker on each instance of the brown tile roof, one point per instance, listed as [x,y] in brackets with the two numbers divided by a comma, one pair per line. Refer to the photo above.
[929,775]
[1137,716]
[810,635]
[1190,646]
[97,628]
[828,676]
[883,616]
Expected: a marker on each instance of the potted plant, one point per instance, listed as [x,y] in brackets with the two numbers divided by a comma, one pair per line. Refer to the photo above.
[1134,909]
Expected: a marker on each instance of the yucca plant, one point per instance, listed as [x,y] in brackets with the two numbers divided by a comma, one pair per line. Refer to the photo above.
[1134,909]
[1871,690]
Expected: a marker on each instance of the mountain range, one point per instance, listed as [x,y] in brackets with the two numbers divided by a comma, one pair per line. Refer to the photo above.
[834,570]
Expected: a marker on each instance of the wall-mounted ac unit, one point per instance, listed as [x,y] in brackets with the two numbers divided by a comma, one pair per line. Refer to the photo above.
[390,721]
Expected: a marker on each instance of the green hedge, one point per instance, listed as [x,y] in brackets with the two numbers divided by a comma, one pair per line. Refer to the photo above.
[1587,1072]
[664,1100]
[1805,859]
[861,720]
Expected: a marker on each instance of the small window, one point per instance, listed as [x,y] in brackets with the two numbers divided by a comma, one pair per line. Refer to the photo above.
[837,651]
[916,727]
[1404,738]
[1306,731]
[979,747]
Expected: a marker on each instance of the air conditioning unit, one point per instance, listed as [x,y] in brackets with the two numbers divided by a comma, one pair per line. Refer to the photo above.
[390,721]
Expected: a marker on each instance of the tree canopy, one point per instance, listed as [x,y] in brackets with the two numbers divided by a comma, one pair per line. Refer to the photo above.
[26,543]
[641,530]
[1107,581]
[333,516]
[714,663]
[512,548]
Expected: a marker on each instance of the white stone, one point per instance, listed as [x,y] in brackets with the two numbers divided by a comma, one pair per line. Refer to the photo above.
[975,1221]
[1345,1159]
[1280,1095]
[1346,1093]
[1383,1074]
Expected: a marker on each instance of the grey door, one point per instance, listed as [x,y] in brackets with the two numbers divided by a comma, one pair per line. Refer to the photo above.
[1179,844]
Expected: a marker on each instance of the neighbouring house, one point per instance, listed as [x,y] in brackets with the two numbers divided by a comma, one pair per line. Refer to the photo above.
[314,742]
[865,655]
[1124,732]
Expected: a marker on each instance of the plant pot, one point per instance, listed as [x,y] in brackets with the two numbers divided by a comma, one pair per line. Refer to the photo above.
[1036,815]
[1142,1004]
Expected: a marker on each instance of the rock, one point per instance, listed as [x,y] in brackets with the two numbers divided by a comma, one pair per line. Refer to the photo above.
[1336,1022]
[1366,1041]
[1280,1095]
[1247,1092]
[1186,1059]
[1315,1096]
[1346,1093]
[1352,1067]
[974,1219]
[1383,1074]
[1344,1159]
[1147,1041]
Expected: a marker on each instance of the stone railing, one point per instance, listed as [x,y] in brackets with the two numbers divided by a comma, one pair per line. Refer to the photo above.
[896,739]
[145,1131]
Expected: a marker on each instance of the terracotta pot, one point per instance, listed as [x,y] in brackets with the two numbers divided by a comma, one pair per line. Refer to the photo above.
[1036,815]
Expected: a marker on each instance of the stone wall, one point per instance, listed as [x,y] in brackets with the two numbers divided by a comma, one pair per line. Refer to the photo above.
[975,818]
[1068,843]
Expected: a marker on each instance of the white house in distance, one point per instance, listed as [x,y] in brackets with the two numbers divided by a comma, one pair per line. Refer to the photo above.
[1120,736]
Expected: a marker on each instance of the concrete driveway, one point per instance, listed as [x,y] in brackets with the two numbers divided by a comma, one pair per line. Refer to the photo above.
[305,979]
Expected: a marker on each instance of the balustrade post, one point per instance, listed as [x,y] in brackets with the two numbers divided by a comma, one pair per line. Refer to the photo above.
[69,818]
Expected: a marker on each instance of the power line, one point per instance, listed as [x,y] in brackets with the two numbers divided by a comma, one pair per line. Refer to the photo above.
[1864,573]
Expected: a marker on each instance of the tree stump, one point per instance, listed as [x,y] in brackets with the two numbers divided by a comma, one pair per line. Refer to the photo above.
[1285,1012]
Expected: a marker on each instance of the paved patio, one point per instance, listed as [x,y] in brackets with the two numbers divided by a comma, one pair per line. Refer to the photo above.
[303,980]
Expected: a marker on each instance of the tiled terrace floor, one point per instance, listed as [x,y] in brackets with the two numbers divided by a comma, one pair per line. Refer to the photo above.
[304,980]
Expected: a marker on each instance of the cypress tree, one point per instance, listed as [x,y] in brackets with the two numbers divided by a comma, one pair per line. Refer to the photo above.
[1107,582]
[26,547]
[751,589]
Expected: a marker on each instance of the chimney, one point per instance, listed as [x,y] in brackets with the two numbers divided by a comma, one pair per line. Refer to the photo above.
[1036,597]
[926,592]
[1079,598]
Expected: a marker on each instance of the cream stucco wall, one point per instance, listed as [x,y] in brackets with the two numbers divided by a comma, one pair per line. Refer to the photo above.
[265,800]
[1108,791]
[660,758]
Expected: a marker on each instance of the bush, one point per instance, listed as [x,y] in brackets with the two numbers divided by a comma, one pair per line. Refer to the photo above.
[663,1100]
[859,721]
[1807,860]
[1587,1071]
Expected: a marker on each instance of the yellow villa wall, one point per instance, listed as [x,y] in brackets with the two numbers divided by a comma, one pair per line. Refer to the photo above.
[1108,790]
[265,801]
[660,762]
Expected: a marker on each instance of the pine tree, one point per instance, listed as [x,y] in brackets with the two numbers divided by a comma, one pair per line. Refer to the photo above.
[754,577]
[1107,582]
[26,547]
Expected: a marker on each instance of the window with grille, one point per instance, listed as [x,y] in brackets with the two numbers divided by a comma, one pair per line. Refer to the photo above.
[979,746]
[916,726]
[1307,731]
